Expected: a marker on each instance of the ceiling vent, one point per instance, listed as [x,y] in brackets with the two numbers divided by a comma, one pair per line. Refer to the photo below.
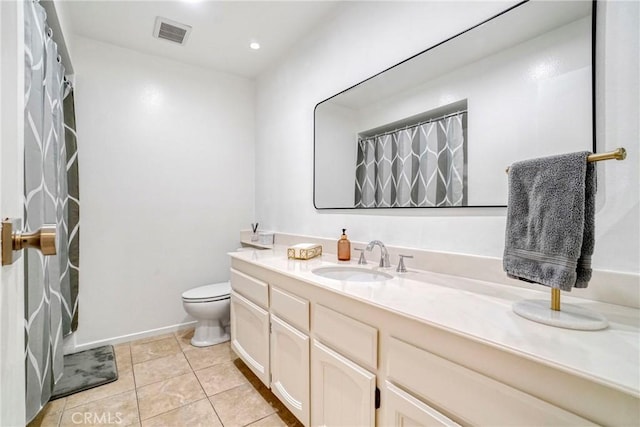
[171,30]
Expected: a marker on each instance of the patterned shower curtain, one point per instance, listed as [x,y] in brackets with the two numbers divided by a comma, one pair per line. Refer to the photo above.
[70,294]
[45,160]
[418,166]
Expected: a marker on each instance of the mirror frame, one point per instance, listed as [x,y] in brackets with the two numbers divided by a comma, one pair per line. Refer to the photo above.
[593,106]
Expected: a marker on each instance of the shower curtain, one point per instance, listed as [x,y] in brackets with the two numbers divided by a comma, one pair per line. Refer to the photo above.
[418,166]
[45,180]
[70,294]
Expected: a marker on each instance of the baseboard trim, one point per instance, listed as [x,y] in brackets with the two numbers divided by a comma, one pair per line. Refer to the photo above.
[126,338]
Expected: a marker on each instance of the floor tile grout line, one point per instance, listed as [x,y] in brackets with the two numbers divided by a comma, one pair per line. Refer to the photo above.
[135,385]
[173,409]
[214,410]
[165,379]
[60,412]
[178,407]
[157,358]
[178,350]
[60,416]
[233,388]
[135,390]
[260,419]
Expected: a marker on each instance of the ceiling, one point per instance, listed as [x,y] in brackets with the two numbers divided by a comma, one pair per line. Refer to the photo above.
[221,33]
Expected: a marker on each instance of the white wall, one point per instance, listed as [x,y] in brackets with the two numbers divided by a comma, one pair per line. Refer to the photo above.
[369,37]
[166,181]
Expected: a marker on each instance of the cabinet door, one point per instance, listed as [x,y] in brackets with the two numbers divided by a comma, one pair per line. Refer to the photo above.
[250,335]
[342,393]
[290,368]
[400,409]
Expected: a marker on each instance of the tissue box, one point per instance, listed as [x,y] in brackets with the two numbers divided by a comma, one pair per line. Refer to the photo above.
[265,237]
[304,251]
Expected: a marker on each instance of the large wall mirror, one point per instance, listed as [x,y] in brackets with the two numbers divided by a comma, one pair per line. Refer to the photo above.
[439,129]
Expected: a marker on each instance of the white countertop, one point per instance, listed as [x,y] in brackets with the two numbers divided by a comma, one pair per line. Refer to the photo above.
[482,311]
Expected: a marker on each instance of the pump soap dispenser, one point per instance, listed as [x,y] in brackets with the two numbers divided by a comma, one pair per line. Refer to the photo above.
[344,247]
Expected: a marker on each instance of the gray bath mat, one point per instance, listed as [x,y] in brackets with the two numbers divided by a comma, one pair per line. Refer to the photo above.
[85,370]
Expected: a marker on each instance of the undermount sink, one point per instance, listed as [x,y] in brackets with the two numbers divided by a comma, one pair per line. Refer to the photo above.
[351,274]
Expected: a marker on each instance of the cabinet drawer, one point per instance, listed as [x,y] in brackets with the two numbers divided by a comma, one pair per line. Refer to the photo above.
[250,288]
[352,338]
[469,396]
[291,308]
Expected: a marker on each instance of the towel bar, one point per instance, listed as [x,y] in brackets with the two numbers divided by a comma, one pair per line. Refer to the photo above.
[575,317]
[618,154]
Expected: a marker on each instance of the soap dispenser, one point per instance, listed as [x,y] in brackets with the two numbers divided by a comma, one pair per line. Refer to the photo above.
[344,247]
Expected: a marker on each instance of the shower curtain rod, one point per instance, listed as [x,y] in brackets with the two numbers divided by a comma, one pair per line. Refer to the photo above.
[65,80]
[434,119]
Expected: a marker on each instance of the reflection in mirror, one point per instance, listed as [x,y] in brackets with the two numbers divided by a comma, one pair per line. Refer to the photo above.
[401,164]
[439,129]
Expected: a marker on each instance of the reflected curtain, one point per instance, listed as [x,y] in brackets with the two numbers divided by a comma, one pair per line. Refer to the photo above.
[46,278]
[419,166]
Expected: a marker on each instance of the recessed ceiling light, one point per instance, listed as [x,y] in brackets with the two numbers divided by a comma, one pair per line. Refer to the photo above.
[254,45]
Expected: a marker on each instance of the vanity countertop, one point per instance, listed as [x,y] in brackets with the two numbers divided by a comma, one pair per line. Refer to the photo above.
[481,311]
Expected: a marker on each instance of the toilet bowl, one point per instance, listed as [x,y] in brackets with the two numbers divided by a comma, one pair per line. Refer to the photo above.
[209,305]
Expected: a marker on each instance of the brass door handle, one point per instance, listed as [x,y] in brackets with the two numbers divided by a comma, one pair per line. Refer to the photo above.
[43,240]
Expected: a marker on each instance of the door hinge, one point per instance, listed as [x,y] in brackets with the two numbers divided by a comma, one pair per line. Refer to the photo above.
[377,398]
[270,328]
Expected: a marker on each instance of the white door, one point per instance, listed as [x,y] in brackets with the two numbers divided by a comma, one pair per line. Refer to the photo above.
[400,409]
[12,371]
[250,335]
[290,368]
[342,393]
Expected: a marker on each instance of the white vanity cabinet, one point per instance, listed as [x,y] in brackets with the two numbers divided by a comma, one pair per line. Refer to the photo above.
[324,354]
[250,323]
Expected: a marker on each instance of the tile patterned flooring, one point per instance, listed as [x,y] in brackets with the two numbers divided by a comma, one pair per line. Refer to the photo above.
[164,381]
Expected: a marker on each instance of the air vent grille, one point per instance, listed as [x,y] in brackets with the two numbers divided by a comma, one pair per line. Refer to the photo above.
[171,30]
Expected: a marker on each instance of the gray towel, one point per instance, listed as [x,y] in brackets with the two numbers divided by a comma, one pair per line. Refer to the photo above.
[550,221]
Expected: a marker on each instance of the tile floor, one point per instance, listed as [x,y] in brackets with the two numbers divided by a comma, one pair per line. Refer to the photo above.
[164,381]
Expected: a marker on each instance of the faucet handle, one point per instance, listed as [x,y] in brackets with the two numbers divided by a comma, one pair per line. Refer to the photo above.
[401,268]
[362,260]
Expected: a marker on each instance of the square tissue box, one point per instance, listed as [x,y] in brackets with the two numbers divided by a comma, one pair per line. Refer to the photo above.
[304,251]
[265,237]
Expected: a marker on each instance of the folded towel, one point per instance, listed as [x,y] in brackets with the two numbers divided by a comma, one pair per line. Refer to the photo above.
[550,221]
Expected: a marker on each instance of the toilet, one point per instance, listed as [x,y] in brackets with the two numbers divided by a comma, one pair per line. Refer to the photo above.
[209,305]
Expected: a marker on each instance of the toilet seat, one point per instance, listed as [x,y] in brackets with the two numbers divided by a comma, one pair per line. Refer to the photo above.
[208,293]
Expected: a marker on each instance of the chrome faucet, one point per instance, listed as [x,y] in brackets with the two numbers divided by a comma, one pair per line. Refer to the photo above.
[384,254]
